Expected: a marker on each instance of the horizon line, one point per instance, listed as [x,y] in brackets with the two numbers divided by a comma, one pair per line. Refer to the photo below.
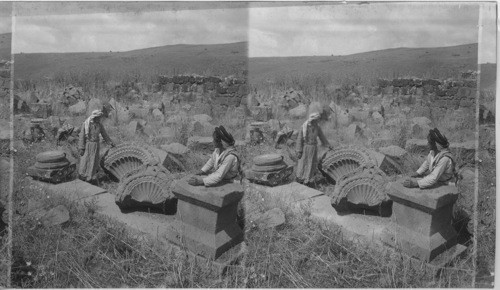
[239,42]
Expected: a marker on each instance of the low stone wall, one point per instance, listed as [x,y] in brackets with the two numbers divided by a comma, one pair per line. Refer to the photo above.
[443,94]
[227,91]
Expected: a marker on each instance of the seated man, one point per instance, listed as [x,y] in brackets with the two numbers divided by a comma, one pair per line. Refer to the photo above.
[224,161]
[439,163]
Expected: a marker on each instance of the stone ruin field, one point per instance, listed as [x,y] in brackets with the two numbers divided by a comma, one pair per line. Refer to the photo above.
[293,236]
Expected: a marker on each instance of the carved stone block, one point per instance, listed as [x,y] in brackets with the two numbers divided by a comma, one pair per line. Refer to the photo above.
[207,222]
[422,220]
[127,157]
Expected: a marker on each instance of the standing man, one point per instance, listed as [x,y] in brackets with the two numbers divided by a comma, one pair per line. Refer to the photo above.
[439,166]
[224,161]
[88,145]
[307,149]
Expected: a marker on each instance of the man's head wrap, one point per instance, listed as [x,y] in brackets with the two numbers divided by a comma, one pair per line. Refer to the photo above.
[435,136]
[220,134]
[93,115]
[312,117]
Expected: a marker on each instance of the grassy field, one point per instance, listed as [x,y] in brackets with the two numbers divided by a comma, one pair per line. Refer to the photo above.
[92,251]
[5,47]
[95,252]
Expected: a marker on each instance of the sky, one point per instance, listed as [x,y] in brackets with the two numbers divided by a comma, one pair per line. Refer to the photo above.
[292,30]
[488,40]
[95,32]
[347,29]
[5,17]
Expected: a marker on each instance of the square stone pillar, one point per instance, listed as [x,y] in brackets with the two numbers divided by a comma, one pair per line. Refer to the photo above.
[206,222]
[422,220]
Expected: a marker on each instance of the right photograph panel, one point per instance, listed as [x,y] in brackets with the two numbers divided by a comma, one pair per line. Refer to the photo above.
[386,111]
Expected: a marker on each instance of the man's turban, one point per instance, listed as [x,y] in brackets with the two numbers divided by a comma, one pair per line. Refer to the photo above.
[220,134]
[436,136]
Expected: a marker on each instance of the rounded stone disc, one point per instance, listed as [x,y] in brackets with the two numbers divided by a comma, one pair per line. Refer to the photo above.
[52,165]
[51,157]
[269,168]
[268,159]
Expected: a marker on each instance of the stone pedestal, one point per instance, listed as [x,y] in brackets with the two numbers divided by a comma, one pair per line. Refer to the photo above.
[270,178]
[422,220]
[206,222]
[55,175]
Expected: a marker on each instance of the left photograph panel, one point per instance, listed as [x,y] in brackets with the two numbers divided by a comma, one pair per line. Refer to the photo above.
[5,140]
[114,102]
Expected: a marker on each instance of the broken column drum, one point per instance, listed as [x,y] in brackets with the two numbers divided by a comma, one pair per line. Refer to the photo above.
[207,223]
[255,134]
[147,186]
[36,131]
[269,169]
[127,157]
[52,166]
[343,160]
[422,220]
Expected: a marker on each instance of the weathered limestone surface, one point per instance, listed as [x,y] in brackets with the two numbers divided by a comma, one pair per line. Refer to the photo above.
[204,144]
[422,220]
[207,218]
[386,164]
[168,160]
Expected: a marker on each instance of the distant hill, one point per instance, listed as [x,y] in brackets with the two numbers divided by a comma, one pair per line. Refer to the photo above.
[5,45]
[366,67]
[219,59]
[227,59]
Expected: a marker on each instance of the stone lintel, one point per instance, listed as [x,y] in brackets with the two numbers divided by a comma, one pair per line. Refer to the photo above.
[217,196]
[425,199]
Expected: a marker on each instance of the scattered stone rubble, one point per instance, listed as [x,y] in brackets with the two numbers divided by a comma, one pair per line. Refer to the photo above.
[206,215]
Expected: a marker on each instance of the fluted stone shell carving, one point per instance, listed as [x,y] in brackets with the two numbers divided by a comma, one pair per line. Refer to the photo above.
[365,186]
[146,185]
[344,160]
[125,158]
